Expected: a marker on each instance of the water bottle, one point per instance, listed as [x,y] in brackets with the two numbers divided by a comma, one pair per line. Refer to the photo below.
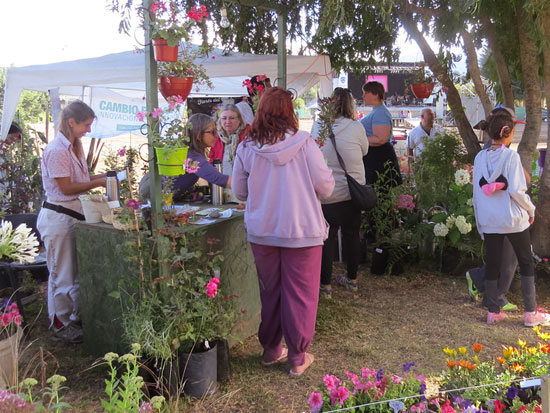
[217,190]
[112,187]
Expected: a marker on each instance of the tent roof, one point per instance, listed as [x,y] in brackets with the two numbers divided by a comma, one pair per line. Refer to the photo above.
[125,73]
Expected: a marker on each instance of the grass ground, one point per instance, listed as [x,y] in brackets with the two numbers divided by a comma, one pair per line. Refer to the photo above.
[391,320]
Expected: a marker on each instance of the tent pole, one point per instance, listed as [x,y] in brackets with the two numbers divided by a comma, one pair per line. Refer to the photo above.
[151,93]
[281,50]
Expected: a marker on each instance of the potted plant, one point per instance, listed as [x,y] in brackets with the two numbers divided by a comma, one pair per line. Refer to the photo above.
[421,83]
[177,78]
[167,132]
[178,316]
[10,337]
[168,28]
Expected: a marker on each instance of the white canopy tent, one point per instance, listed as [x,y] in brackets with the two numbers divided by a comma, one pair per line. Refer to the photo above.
[122,75]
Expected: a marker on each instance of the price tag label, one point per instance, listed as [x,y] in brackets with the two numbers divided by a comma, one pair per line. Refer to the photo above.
[397,406]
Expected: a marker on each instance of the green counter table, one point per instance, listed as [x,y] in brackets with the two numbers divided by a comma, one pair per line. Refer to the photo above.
[101,266]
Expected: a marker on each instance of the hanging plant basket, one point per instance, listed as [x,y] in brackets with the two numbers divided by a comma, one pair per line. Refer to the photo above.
[171,162]
[174,86]
[422,90]
[163,52]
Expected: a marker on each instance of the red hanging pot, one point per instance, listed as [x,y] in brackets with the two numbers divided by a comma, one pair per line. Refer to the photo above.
[163,52]
[422,90]
[173,86]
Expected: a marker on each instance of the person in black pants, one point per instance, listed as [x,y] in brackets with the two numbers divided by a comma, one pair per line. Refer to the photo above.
[338,209]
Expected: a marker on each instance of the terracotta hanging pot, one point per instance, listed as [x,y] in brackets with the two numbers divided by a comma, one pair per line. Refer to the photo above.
[163,52]
[173,86]
[422,90]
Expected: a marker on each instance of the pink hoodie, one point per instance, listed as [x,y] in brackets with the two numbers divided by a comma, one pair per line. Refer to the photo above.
[281,184]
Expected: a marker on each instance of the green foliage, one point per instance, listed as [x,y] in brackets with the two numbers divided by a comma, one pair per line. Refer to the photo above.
[20,175]
[181,309]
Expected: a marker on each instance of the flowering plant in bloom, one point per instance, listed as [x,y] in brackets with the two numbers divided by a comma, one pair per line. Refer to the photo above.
[367,387]
[189,64]
[18,245]
[405,201]
[172,24]
[10,318]
[462,177]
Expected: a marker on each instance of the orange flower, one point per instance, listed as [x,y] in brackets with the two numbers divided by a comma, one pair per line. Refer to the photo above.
[477,347]
[450,363]
[470,366]
[517,367]
[502,360]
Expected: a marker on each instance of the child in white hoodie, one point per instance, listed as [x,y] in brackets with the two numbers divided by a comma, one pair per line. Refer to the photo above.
[504,210]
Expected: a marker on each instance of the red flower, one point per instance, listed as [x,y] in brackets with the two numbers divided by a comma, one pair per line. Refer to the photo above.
[498,406]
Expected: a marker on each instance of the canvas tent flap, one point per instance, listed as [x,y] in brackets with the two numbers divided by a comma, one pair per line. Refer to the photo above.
[124,74]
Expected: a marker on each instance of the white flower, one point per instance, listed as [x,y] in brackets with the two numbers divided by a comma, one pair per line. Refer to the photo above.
[450,221]
[462,177]
[440,230]
[463,226]
[470,202]
[19,245]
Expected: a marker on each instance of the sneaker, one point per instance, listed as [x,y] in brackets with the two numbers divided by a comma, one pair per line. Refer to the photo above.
[472,289]
[493,318]
[70,333]
[351,285]
[509,307]
[536,318]
[325,291]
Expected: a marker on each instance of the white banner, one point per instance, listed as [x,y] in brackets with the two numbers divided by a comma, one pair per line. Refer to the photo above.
[116,114]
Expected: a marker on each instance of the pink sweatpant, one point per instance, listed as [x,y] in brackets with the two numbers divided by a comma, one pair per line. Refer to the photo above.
[289,290]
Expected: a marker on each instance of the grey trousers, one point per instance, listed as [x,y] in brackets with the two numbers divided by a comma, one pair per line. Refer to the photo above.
[507,271]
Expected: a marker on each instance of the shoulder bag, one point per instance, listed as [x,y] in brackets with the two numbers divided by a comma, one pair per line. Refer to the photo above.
[363,196]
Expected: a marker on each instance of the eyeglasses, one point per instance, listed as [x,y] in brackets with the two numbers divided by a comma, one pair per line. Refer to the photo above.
[213,132]
[230,119]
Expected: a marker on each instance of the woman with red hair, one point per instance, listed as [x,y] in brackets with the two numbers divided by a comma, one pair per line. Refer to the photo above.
[282,174]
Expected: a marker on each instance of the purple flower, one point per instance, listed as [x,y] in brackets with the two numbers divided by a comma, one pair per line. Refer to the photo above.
[393,142]
[423,390]
[132,203]
[407,367]
[379,375]
[512,392]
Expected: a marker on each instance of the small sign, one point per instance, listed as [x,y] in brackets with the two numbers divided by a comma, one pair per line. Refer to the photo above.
[530,383]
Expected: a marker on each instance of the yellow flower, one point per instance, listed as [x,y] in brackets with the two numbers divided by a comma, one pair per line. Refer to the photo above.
[476,359]
[536,329]
[521,343]
[450,351]
[532,350]
[544,336]
[507,352]
[462,350]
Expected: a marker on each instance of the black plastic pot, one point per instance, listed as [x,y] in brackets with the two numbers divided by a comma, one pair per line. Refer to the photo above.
[379,260]
[199,372]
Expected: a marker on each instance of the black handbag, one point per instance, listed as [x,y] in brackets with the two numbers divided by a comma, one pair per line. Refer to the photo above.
[363,196]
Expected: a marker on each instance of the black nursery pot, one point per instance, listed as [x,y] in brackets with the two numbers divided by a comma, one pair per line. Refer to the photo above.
[199,372]
[379,261]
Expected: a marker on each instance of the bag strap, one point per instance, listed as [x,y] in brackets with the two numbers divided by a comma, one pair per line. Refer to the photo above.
[333,140]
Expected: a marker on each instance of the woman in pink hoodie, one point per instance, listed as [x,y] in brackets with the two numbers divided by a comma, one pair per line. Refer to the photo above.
[281,174]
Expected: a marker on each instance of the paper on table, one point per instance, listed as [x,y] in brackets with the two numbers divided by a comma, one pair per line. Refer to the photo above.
[226,214]
[208,211]
[203,221]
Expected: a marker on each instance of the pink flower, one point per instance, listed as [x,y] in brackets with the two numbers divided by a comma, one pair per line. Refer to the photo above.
[215,280]
[405,202]
[198,14]
[213,57]
[122,152]
[146,407]
[396,379]
[341,395]
[261,78]
[140,115]
[157,112]
[447,408]
[212,288]
[134,204]
[191,167]
[315,401]
[420,408]
[545,259]
[17,319]
[172,104]
[331,381]
[365,373]
[159,5]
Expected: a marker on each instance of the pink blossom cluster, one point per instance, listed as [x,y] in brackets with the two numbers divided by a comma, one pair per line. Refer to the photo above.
[252,89]
[405,202]
[198,13]
[11,403]
[146,407]
[173,101]
[212,287]
[158,6]
[133,203]
[191,166]
[121,152]
[11,314]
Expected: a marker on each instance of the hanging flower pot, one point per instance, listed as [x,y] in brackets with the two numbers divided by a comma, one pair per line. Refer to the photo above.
[163,52]
[175,86]
[171,162]
[422,90]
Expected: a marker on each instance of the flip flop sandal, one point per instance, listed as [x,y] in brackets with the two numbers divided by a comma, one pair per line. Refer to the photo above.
[307,363]
[284,354]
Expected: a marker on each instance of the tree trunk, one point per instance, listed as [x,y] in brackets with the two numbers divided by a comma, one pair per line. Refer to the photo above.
[540,238]
[453,97]
[531,84]
[475,73]
[502,68]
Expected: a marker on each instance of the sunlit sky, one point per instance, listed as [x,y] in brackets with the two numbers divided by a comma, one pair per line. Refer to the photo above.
[40,31]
